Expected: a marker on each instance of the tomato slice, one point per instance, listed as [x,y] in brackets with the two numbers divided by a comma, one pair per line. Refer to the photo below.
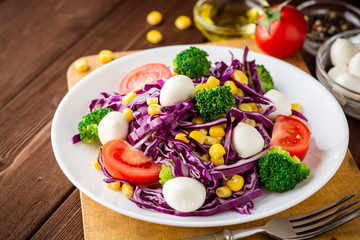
[146,74]
[291,135]
[121,160]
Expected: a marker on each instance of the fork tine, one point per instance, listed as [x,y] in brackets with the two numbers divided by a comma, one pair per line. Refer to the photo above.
[303,216]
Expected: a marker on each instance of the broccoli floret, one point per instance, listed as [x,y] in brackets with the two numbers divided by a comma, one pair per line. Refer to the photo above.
[165,173]
[281,172]
[265,78]
[212,102]
[192,62]
[88,126]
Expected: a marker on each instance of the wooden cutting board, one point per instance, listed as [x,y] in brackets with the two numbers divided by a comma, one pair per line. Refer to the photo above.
[102,223]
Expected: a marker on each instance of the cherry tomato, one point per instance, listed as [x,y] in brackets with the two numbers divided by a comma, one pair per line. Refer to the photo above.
[286,31]
[291,135]
[146,74]
[121,160]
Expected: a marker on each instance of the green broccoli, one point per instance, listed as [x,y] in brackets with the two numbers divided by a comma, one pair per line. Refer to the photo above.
[192,62]
[211,103]
[165,173]
[88,126]
[265,78]
[281,172]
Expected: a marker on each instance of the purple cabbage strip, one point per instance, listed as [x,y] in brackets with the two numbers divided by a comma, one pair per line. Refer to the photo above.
[299,115]
[255,78]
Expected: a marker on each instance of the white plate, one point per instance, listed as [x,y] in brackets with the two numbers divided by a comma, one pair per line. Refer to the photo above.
[327,122]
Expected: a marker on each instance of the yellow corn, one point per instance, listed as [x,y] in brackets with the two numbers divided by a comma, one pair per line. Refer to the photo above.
[154,36]
[154,18]
[217,131]
[205,157]
[128,97]
[217,151]
[182,137]
[218,161]
[235,183]
[198,136]
[127,113]
[212,82]
[240,92]
[198,120]
[150,101]
[254,107]
[211,140]
[127,190]
[203,130]
[240,76]
[250,122]
[96,164]
[223,192]
[113,185]
[105,56]
[201,86]
[297,107]
[183,22]
[232,85]
[245,107]
[153,109]
[81,65]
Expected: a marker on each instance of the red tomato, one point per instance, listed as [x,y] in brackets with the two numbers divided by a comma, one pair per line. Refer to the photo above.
[291,135]
[121,160]
[146,74]
[286,34]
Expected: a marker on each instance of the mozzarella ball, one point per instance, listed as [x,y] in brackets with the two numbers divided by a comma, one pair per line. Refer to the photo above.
[246,140]
[113,126]
[336,70]
[341,51]
[280,101]
[184,194]
[177,89]
[354,65]
[351,82]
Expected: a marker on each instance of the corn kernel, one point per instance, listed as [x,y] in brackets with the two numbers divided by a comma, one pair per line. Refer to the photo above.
[154,18]
[154,36]
[232,85]
[297,107]
[240,76]
[217,131]
[153,109]
[223,192]
[127,190]
[218,161]
[212,82]
[240,92]
[201,86]
[235,183]
[211,140]
[113,185]
[251,122]
[105,56]
[245,107]
[198,136]
[182,137]
[128,97]
[127,113]
[183,22]
[96,164]
[81,65]
[205,157]
[203,130]
[217,151]
[254,107]
[150,101]
[198,120]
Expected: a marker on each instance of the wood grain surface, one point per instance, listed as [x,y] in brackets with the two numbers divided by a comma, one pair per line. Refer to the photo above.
[38,41]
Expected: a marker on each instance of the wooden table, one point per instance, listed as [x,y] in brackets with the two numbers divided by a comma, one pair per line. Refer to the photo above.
[38,41]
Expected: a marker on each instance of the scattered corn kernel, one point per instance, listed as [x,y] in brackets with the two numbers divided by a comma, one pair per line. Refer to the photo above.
[211,140]
[254,107]
[128,97]
[203,130]
[217,131]
[114,185]
[235,183]
[96,164]
[81,65]
[198,120]
[154,18]
[239,92]
[212,82]
[240,76]
[245,107]
[153,109]
[201,86]
[105,56]
[182,137]
[127,113]
[150,101]
[205,157]
[198,136]
[216,151]
[154,36]
[250,122]
[183,22]
[127,190]
[218,161]
[223,192]
[297,107]
[232,85]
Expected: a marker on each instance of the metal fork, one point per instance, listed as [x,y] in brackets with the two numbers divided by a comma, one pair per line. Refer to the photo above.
[300,226]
